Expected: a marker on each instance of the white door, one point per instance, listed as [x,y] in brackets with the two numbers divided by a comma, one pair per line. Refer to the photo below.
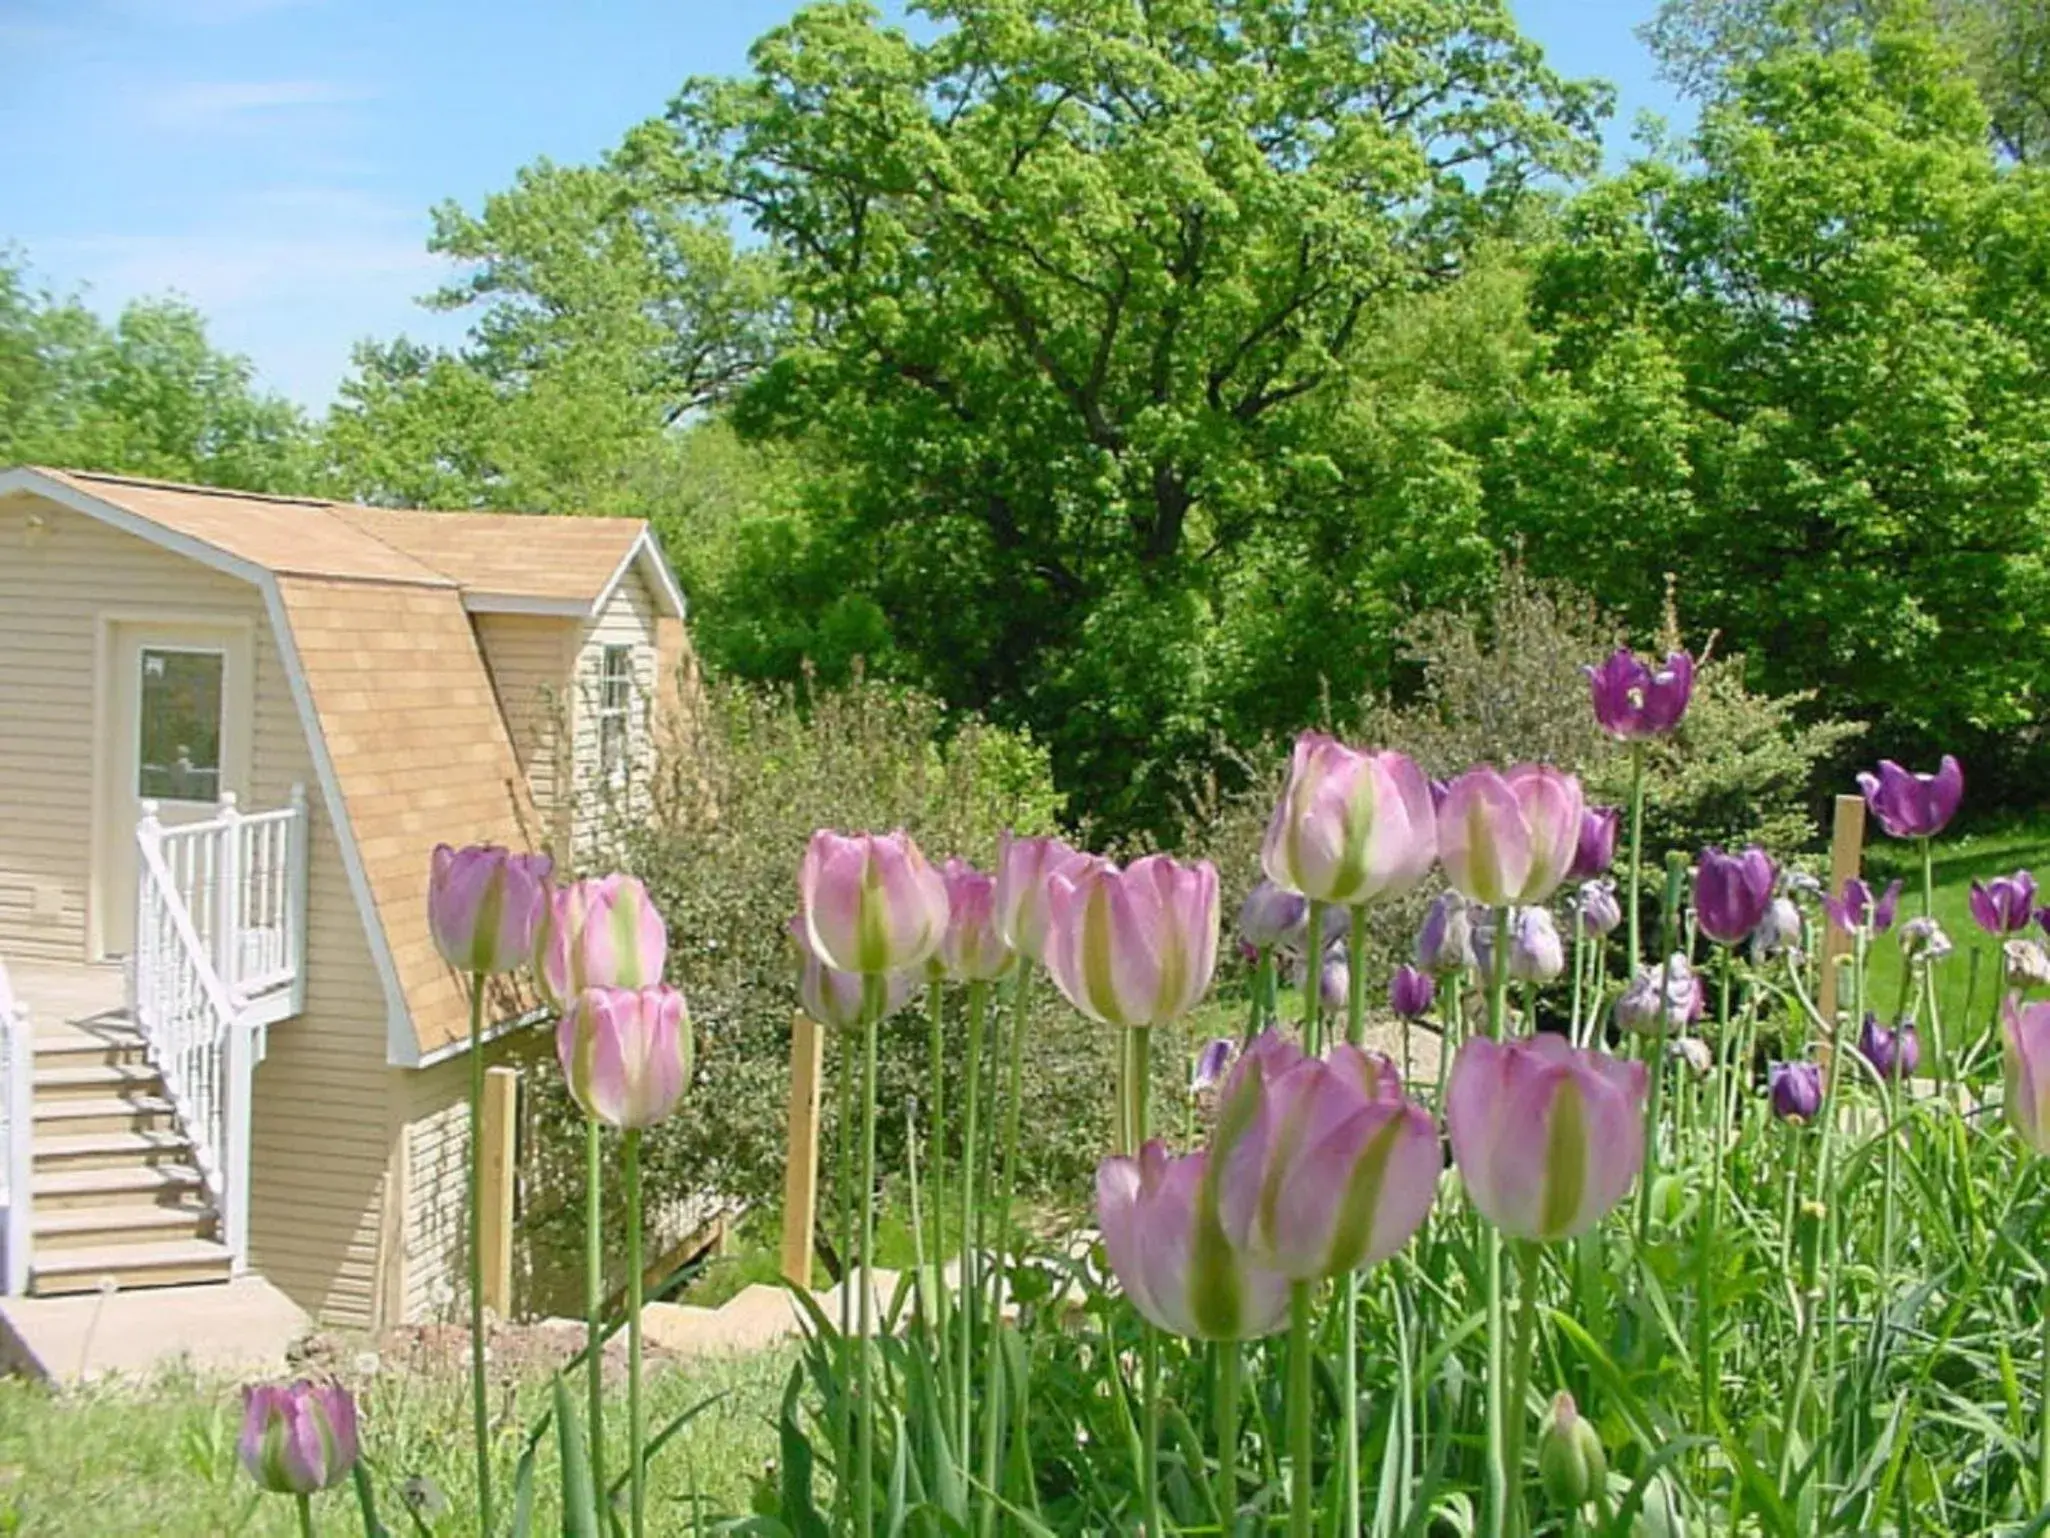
[177,723]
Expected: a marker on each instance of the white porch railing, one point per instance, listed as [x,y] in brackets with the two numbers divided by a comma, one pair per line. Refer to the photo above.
[17,1157]
[219,954]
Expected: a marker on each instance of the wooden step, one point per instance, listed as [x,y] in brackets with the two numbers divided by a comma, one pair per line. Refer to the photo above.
[109,1150]
[103,1113]
[93,1081]
[56,1190]
[86,1048]
[173,1263]
[75,1228]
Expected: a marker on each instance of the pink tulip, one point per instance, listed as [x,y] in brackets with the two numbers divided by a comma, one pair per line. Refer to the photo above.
[871,902]
[601,932]
[1133,947]
[1509,839]
[1351,826]
[297,1437]
[2025,1065]
[973,948]
[485,905]
[1024,867]
[1548,1137]
[833,997]
[626,1053]
[1325,1166]
[1158,1215]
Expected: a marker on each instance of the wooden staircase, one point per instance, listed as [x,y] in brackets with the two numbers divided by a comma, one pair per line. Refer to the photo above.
[116,1195]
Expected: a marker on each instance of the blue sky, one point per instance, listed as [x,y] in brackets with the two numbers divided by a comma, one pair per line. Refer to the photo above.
[274,160]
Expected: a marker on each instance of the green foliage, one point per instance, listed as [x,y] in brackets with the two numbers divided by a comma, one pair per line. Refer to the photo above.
[148,395]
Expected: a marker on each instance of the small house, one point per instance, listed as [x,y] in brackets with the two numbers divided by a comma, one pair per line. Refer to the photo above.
[232,727]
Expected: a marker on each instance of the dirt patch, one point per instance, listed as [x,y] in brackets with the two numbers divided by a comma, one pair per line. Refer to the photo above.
[512,1351]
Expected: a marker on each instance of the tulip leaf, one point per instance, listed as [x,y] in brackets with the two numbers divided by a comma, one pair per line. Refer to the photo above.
[579,1499]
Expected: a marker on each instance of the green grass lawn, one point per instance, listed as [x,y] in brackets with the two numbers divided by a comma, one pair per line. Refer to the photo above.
[2023,845]
[112,1460]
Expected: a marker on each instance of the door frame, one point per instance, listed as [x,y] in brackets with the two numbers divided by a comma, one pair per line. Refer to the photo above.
[234,635]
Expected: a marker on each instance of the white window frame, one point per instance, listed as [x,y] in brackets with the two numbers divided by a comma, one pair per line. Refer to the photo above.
[615,712]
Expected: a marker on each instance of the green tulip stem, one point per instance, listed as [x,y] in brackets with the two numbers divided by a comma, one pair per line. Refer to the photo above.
[2043,1406]
[1313,978]
[594,1294]
[1939,1065]
[935,1147]
[305,1504]
[992,1380]
[1579,972]
[1302,1487]
[1532,1265]
[636,1429]
[1636,851]
[1496,1506]
[1149,1473]
[1228,1363]
[971,1291]
[873,985]
[1711,1231]
[1676,871]
[843,1171]
[1257,1014]
[1349,1284]
[480,1410]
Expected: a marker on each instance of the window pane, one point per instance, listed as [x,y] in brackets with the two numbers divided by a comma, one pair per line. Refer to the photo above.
[181,726]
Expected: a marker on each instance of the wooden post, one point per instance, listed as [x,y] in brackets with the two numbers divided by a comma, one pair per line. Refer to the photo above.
[801,1169]
[1846,851]
[496,1148]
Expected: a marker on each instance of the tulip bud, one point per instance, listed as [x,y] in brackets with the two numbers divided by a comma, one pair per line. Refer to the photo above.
[1133,947]
[484,906]
[1913,805]
[1509,839]
[1732,893]
[1351,826]
[871,903]
[833,997]
[626,1053]
[2025,1070]
[1410,993]
[1779,931]
[1632,701]
[1892,1051]
[1572,1464]
[1272,916]
[1536,954]
[1547,1136]
[1159,1219]
[1637,1009]
[601,932]
[1597,910]
[1211,1063]
[1596,850]
[1692,1054]
[1445,944]
[972,950]
[1024,866]
[298,1437]
[2027,964]
[1796,1091]
[2002,906]
[1334,982]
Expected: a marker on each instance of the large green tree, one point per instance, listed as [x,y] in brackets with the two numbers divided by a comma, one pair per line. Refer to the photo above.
[1806,371]
[1083,297]
[148,394]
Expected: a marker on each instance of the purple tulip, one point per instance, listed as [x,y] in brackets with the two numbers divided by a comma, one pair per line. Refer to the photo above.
[1912,805]
[2002,906]
[1779,931]
[1732,893]
[1638,1006]
[1536,954]
[1509,839]
[1632,701]
[1351,826]
[1548,1137]
[601,932]
[1159,1219]
[1445,943]
[626,1053]
[1596,908]
[972,950]
[484,906]
[1334,982]
[1211,1064]
[1410,993]
[1853,908]
[1272,916]
[1596,850]
[871,903]
[2025,1070]
[297,1437]
[1796,1091]
[1133,947]
[1325,1167]
[1024,866]
[833,997]
[1890,1050]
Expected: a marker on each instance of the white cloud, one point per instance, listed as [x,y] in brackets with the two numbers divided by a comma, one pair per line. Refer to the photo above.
[211,104]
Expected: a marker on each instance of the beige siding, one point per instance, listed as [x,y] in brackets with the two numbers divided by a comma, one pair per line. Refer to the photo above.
[530,657]
[323,1102]
[628,619]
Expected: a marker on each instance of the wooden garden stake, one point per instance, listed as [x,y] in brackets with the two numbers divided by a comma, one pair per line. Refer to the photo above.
[801,1167]
[1846,849]
[501,1106]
